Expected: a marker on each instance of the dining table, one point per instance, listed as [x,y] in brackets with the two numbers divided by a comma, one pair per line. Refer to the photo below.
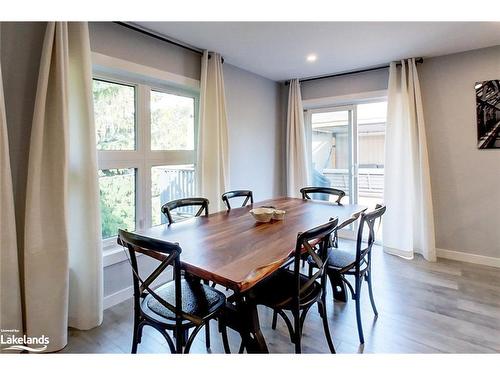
[233,250]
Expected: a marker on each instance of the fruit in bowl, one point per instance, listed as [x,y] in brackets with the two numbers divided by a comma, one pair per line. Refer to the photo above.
[262,214]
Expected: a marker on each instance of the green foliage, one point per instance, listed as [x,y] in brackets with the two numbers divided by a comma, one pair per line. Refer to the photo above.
[172,122]
[117,192]
[114,113]
[172,128]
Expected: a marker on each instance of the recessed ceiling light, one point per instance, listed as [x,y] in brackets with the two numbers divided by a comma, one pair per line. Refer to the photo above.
[312,57]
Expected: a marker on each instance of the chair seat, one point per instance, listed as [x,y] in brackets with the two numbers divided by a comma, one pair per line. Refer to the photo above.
[276,290]
[342,258]
[339,258]
[198,300]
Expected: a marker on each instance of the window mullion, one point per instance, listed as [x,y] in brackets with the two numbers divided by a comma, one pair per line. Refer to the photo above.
[143,118]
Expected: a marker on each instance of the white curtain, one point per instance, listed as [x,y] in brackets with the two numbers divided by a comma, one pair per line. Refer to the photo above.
[10,297]
[296,149]
[63,255]
[213,149]
[409,222]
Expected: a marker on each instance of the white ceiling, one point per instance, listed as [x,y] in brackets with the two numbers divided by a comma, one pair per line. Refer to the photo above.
[278,50]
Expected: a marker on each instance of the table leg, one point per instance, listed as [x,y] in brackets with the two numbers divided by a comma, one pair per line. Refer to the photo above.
[253,339]
[243,317]
[338,287]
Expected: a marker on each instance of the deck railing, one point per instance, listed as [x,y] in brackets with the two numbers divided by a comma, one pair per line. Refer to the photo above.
[370,181]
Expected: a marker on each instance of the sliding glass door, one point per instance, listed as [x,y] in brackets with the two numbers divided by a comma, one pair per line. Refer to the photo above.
[346,150]
[331,149]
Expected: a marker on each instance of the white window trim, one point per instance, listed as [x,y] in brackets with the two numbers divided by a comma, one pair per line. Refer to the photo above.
[144,79]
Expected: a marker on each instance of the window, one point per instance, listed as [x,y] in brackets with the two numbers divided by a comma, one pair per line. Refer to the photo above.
[146,151]
[347,150]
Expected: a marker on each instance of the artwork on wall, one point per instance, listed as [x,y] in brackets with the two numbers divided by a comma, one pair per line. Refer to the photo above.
[488,114]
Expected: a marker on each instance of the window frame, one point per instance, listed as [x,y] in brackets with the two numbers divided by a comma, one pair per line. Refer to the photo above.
[143,158]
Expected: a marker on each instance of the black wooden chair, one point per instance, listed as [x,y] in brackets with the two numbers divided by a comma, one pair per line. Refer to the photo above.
[177,305]
[290,290]
[237,193]
[354,217]
[306,191]
[344,262]
[169,209]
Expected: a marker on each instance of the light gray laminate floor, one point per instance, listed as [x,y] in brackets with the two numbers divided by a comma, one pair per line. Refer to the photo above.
[442,307]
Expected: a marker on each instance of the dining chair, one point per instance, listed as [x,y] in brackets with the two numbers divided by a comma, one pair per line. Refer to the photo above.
[177,305]
[173,216]
[290,290]
[237,193]
[168,209]
[306,191]
[343,262]
[339,290]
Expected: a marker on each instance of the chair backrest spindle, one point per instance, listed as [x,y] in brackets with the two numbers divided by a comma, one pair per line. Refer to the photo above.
[306,191]
[248,194]
[169,207]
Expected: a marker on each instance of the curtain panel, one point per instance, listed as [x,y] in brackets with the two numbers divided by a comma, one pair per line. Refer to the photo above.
[297,166]
[63,254]
[409,221]
[10,290]
[213,146]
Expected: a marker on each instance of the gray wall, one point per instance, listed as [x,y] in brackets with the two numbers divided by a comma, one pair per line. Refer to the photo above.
[465,180]
[256,133]
[118,41]
[345,85]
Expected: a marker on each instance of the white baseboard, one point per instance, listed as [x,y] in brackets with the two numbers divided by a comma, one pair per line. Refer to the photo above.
[118,297]
[126,293]
[468,257]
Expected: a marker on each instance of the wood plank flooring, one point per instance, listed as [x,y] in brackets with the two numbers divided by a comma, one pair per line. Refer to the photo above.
[442,307]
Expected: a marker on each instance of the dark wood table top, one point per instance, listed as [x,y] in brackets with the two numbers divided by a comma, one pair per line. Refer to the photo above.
[235,251]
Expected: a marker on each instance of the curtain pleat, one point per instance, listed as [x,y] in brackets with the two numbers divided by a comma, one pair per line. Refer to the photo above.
[63,258]
[10,290]
[296,147]
[213,146]
[84,220]
[409,221]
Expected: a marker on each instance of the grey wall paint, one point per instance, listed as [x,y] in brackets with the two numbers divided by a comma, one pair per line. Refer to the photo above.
[345,85]
[21,48]
[255,133]
[118,41]
[464,180]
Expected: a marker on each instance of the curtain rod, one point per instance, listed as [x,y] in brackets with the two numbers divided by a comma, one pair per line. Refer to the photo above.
[163,39]
[419,60]
[159,37]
